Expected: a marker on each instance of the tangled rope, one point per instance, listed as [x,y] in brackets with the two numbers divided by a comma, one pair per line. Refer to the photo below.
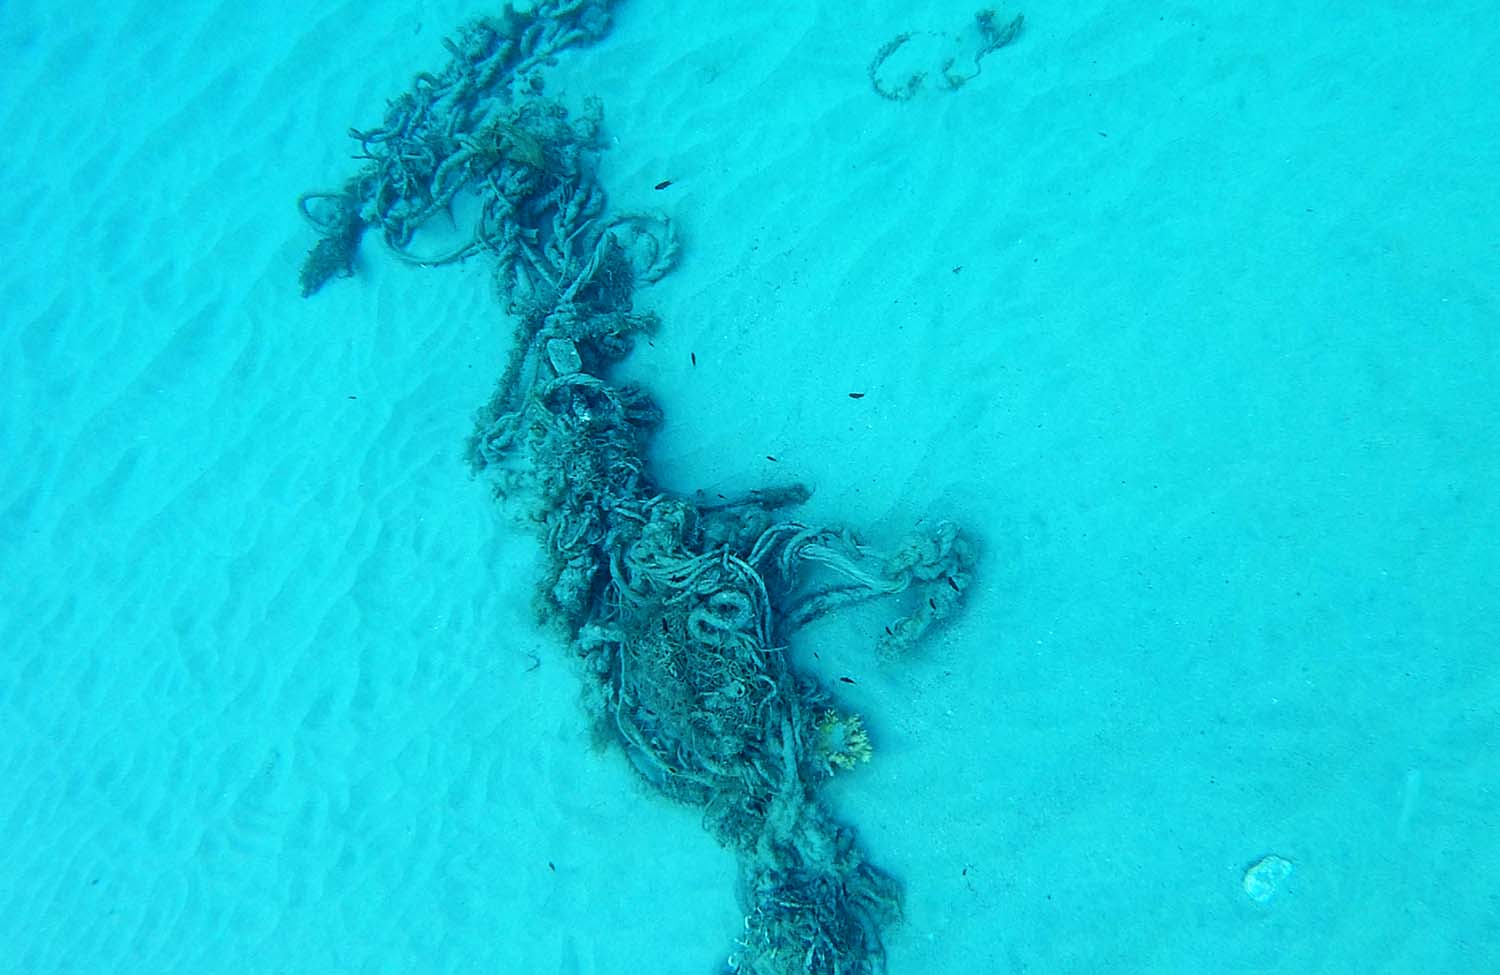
[678,612]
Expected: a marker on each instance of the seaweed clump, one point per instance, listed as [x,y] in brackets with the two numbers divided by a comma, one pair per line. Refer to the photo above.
[678,612]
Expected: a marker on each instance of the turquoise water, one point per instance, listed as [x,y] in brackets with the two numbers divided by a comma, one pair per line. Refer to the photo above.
[1187,316]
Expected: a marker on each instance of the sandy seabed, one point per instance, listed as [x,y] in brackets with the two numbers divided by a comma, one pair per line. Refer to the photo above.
[1187,315]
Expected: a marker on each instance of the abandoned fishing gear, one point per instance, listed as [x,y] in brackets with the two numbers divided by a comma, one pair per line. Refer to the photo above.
[678,612]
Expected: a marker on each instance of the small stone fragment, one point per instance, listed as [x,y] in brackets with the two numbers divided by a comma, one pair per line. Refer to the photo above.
[564,356]
[1264,877]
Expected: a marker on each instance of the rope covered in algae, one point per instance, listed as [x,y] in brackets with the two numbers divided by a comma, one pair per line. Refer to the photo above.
[678,612]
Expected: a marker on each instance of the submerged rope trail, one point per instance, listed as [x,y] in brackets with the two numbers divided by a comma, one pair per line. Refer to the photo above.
[678,612]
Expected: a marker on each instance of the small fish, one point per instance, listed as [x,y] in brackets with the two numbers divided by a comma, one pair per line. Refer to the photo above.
[856,395]
[954,584]
[847,680]
[662,185]
[770,458]
[694,357]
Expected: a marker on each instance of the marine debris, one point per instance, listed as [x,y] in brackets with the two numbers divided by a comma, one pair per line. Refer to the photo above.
[903,64]
[678,612]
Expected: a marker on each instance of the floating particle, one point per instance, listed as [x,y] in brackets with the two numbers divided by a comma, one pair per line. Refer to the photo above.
[1264,878]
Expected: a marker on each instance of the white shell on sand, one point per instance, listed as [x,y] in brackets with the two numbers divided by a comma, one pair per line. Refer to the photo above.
[1262,880]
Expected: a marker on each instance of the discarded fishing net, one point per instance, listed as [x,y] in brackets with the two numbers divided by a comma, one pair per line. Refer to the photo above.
[678,612]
